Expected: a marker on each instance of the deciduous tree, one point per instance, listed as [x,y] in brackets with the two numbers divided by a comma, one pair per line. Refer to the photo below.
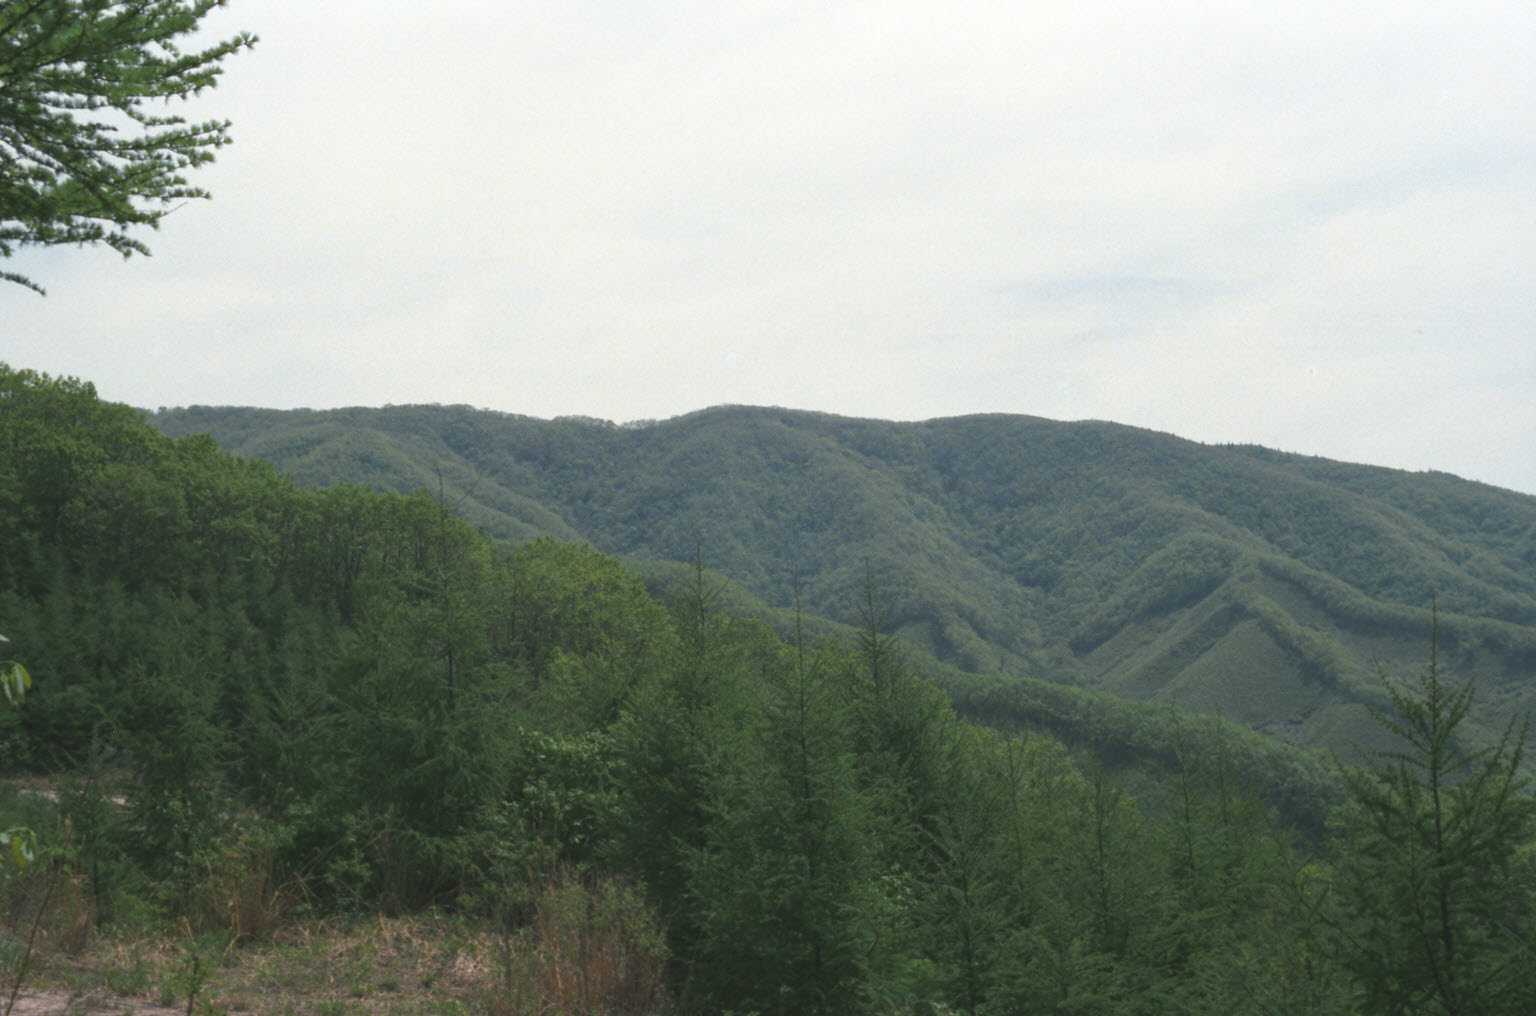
[83,159]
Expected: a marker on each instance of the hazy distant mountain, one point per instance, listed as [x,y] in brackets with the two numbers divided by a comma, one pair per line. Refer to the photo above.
[1263,587]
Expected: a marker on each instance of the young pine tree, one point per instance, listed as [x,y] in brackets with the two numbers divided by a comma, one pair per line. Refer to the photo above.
[1434,867]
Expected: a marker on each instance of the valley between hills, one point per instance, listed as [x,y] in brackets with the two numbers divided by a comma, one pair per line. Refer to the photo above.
[427,708]
[1268,589]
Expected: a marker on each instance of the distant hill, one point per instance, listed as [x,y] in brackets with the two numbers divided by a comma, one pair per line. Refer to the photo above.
[1263,587]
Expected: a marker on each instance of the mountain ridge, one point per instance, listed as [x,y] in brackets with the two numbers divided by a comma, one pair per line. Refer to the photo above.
[1263,586]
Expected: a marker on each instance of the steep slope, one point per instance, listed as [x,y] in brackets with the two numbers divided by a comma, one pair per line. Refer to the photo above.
[1264,587]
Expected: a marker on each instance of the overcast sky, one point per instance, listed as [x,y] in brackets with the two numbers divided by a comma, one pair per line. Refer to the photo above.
[1305,225]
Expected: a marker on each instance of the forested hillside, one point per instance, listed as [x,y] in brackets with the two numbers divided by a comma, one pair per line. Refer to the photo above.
[258,701]
[1266,588]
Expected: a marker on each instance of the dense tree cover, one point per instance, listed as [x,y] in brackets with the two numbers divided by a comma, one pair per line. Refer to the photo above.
[1259,587]
[352,700]
[86,154]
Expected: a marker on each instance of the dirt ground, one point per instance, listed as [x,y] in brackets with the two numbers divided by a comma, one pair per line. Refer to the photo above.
[101,1003]
[372,966]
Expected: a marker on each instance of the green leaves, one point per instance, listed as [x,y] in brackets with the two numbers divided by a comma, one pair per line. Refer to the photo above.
[18,844]
[1252,585]
[73,71]
[14,682]
[361,693]
[1434,841]
[18,847]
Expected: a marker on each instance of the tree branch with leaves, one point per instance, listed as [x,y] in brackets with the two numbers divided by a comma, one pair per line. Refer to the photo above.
[14,682]
[18,844]
[82,160]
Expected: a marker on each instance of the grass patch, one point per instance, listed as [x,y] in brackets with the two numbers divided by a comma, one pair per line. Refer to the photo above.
[392,966]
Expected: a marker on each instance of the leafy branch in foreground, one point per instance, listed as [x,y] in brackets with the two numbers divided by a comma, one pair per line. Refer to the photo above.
[81,159]
[18,844]
[14,682]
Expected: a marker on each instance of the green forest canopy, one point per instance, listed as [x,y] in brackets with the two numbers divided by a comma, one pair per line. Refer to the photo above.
[359,694]
[1267,589]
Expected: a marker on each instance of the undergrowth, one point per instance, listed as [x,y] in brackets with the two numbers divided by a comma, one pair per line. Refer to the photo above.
[577,943]
[570,961]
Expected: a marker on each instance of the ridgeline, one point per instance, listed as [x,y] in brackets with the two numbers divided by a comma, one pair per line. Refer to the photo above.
[1265,588]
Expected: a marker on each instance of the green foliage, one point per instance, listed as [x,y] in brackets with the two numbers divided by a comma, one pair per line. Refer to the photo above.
[1250,585]
[1435,858]
[83,159]
[18,844]
[14,683]
[789,848]
[271,698]
[580,629]
[18,847]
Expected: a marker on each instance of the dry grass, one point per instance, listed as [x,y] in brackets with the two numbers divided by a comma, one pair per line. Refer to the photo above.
[585,945]
[592,946]
[588,950]
[424,964]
